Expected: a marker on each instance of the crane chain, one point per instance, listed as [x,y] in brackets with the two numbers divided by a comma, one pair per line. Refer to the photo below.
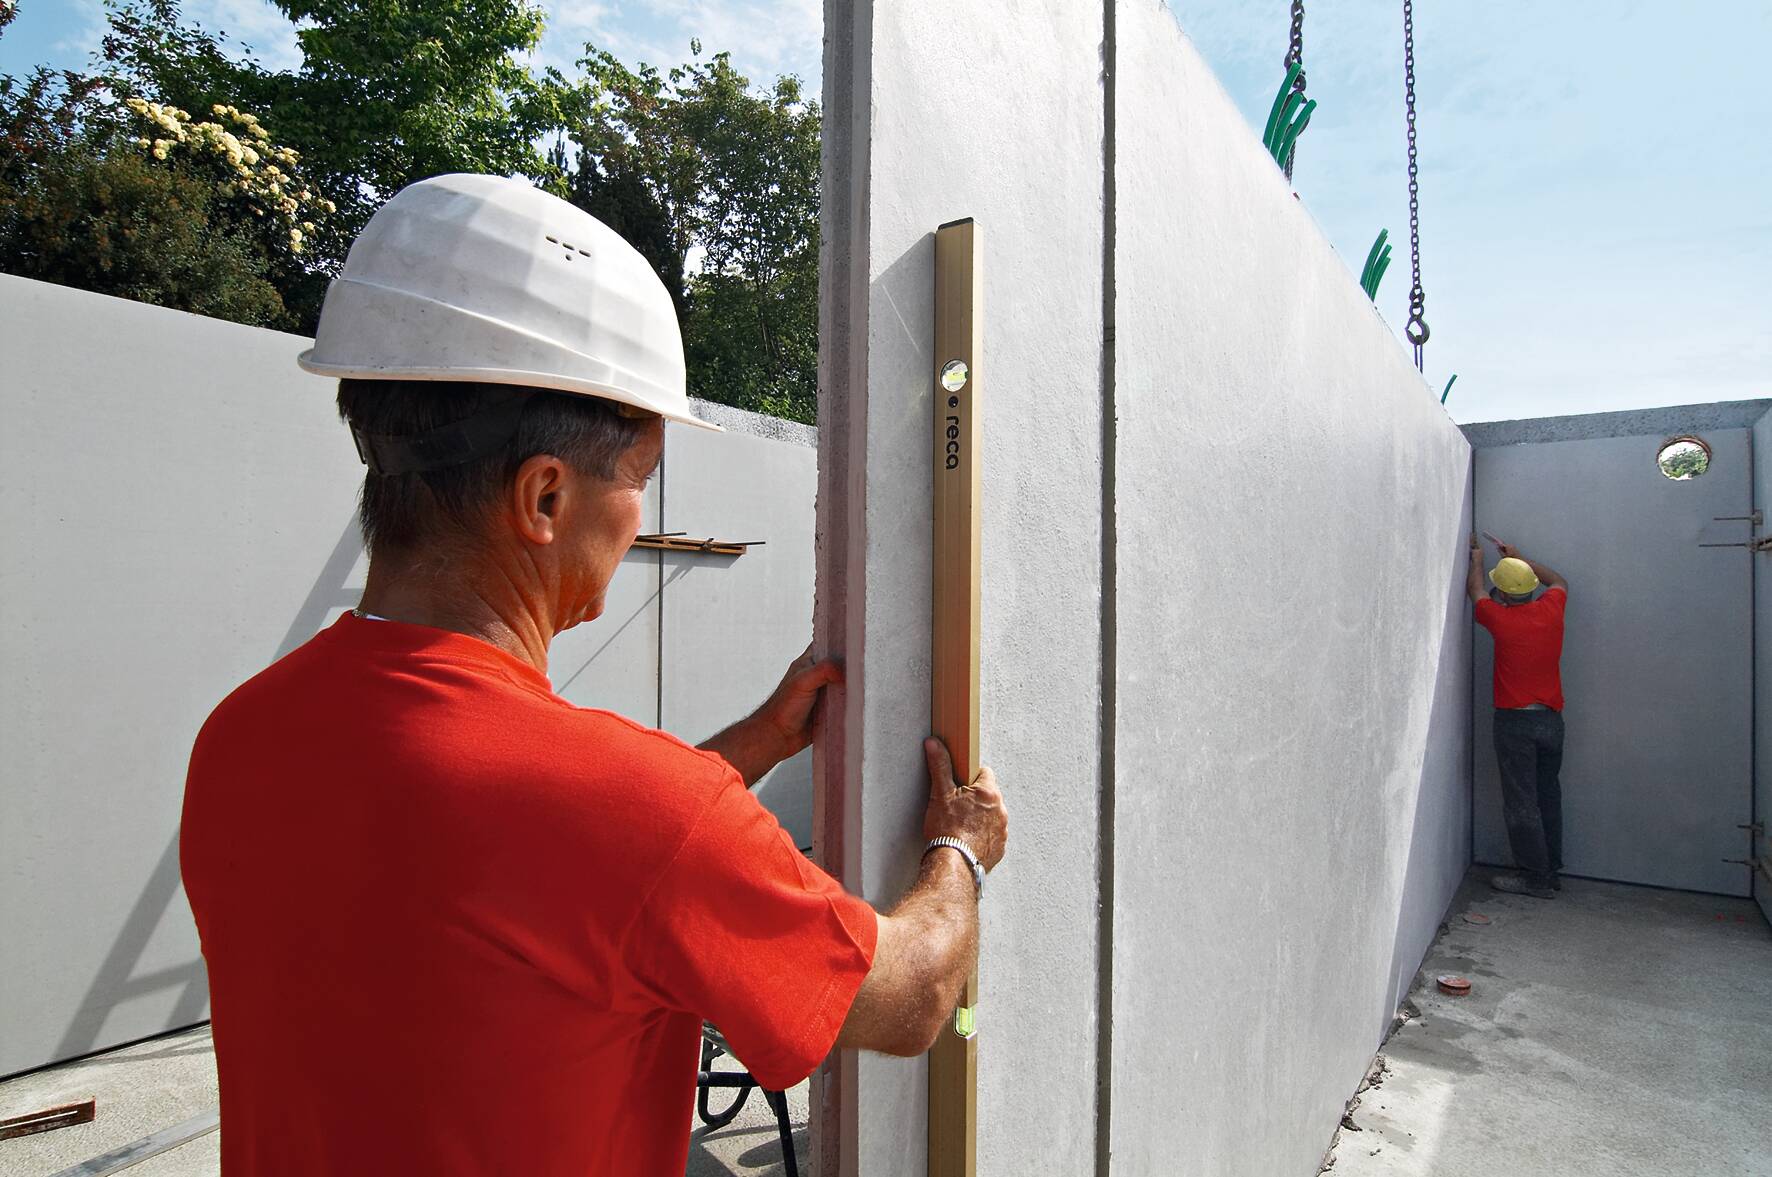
[1295,56]
[1416,330]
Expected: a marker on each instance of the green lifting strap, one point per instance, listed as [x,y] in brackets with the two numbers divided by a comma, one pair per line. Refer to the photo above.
[1378,260]
[1449,385]
[1287,119]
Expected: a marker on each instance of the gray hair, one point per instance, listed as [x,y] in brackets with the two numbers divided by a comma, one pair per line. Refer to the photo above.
[407,511]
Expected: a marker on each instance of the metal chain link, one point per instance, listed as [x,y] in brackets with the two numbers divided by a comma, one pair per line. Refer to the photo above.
[1295,56]
[1416,330]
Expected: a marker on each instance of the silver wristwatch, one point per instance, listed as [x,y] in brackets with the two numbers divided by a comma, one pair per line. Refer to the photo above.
[966,853]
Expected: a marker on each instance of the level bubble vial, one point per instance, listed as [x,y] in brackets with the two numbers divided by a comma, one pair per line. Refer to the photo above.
[953,375]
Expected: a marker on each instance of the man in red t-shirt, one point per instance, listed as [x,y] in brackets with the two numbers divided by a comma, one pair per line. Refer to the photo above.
[453,923]
[1528,629]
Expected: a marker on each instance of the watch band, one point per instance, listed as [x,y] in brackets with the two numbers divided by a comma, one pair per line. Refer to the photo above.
[966,853]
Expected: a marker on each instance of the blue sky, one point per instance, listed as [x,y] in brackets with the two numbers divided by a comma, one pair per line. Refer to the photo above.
[1596,229]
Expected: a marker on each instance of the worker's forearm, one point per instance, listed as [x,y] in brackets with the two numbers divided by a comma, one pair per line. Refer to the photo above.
[940,913]
[943,906]
[750,746]
[1473,583]
[926,948]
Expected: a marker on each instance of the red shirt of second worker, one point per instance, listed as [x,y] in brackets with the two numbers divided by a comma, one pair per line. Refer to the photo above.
[1528,649]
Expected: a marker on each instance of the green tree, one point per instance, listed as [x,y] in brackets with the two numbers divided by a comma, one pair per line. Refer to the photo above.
[388,92]
[696,163]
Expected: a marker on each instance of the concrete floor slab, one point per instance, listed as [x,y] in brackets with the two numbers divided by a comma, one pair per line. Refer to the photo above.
[1613,1030]
[153,1085]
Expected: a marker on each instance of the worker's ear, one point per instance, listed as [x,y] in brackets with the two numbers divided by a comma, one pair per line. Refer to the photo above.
[537,496]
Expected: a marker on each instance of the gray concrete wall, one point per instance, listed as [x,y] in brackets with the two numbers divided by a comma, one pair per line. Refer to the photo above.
[731,624]
[1265,554]
[1760,847]
[1291,758]
[178,501]
[1657,662]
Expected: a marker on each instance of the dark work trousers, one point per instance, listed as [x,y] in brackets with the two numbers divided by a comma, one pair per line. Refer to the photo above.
[1529,752]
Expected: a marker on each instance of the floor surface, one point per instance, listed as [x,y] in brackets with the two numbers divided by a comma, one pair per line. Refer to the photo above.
[1613,1031]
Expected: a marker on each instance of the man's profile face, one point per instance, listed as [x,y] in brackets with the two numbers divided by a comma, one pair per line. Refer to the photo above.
[605,517]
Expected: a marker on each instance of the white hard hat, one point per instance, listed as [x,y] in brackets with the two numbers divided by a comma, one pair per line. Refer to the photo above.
[484,279]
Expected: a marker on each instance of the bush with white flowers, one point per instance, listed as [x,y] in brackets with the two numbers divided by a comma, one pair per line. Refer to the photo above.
[264,178]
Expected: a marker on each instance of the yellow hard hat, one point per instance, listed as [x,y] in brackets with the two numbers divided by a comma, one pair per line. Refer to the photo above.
[1514,577]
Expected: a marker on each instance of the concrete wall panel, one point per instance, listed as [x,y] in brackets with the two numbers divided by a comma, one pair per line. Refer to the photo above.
[733,623]
[1657,664]
[1292,752]
[179,505]
[995,112]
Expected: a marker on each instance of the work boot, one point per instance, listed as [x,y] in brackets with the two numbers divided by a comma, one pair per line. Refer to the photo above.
[1557,882]
[1517,885]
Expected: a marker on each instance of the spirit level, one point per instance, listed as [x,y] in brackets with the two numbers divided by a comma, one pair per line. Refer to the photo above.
[953,698]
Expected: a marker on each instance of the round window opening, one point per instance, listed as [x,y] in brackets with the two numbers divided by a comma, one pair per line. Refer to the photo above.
[1683,458]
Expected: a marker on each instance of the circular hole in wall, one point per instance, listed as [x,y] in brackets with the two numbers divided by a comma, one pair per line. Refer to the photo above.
[1683,458]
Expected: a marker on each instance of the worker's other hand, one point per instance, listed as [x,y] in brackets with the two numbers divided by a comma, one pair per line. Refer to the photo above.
[1476,547]
[788,712]
[974,814]
[1508,550]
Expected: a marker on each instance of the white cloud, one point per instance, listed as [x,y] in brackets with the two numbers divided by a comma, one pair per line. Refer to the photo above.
[256,23]
[765,37]
[87,29]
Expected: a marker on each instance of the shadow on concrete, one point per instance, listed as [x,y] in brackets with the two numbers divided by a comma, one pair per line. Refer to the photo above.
[656,595]
[329,592]
[117,981]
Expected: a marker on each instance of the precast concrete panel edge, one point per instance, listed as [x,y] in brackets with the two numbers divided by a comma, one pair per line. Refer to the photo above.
[1658,422]
[735,420]
[1759,841]
[839,600]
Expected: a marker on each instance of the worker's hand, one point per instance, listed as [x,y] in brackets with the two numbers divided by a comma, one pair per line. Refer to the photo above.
[974,813]
[1508,550]
[1476,547]
[788,712]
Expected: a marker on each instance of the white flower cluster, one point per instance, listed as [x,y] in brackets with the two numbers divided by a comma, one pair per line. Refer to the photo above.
[262,173]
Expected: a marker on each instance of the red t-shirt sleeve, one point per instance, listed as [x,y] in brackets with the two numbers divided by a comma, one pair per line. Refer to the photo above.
[745,932]
[1556,598]
[1485,612]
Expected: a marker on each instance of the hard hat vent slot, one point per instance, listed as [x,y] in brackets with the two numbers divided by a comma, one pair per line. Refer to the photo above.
[569,248]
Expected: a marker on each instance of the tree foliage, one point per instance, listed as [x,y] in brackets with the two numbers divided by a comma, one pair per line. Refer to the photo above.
[696,163]
[1684,460]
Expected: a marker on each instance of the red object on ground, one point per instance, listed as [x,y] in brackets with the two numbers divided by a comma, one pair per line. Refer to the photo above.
[1456,986]
[1475,917]
[455,924]
[1528,648]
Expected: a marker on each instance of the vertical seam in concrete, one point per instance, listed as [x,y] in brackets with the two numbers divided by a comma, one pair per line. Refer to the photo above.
[1105,815]
[658,569]
[1753,669]
[1470,718]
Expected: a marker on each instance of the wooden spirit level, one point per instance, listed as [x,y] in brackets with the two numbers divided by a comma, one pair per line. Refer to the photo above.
[953,1060]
